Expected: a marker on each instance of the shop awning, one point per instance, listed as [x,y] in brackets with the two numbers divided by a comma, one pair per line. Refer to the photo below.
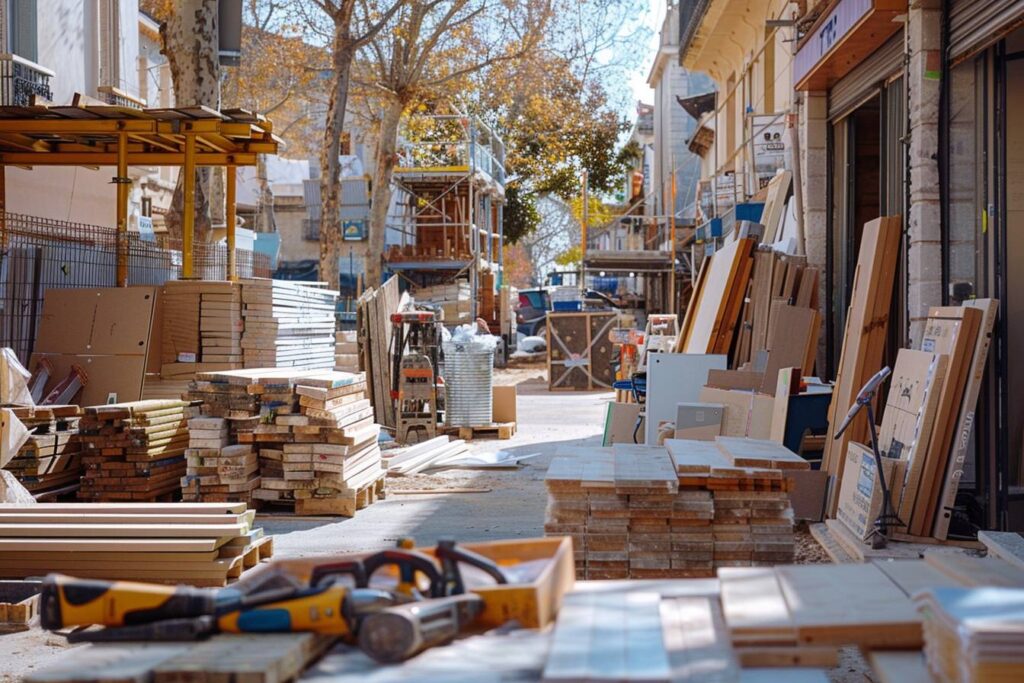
[842,37]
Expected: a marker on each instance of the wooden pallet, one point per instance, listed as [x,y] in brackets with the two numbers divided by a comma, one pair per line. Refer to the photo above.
[504,430]
[19,604]
[345,505]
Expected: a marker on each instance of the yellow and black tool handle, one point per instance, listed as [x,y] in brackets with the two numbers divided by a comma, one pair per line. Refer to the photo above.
[320,609]
[65,601]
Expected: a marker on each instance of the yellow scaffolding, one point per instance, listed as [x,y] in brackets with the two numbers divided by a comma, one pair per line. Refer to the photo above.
[102,135]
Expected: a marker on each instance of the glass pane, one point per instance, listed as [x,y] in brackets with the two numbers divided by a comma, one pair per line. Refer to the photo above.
[967,221]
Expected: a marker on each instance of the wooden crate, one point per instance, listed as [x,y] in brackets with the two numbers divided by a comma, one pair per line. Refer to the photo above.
[579,351]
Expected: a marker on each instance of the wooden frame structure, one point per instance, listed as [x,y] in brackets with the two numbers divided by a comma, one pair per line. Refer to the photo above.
[103,135]
[578,344]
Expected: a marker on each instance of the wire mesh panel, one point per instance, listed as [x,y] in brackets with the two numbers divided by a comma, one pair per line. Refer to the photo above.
[37,254]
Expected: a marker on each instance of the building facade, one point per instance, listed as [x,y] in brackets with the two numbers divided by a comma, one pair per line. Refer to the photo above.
[900,107]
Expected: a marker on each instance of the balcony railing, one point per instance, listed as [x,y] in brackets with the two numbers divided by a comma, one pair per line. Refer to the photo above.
[691,14]
[21,80]
[120,98]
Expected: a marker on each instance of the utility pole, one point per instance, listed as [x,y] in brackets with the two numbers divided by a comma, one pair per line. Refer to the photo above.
[584,226]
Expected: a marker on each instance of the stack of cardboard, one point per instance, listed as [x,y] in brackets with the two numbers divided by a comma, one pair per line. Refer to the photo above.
[648,512]
[973,635]
[202,544]
[312,433]
[287,324]
[51,459]
[217,470]
[346,351]
[134,451]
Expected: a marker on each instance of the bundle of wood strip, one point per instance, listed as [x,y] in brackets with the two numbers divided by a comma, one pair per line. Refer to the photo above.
[312,432]
[287,324]
[652,512]
[134,451]
[202,326]
[203,544]
[51,459]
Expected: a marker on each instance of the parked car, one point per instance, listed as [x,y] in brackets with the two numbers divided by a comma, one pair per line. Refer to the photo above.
[532,312]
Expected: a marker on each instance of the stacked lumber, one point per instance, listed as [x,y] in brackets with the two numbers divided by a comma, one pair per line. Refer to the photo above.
[311,432]
[203,544]
[973,635]
[219,468]
[287,324]
[346,351]
[51,458]
[202,326]
[652,512]
[454,300]
[423,456]
[759,307]
[134,451]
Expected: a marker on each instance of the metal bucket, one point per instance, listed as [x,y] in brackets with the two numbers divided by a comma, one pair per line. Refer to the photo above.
[468,377]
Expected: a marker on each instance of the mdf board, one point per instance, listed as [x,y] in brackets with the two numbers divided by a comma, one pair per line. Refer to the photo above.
[909,416]
[579,352]
[715,295]
[747,413]
[867,320]
[951,330]
[105,331]
[848,604]
[793,343]
[965,420]
[674,378]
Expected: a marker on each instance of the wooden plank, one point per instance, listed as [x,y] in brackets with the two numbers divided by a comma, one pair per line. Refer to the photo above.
[762,453]
[794,338]
[1005,545]
[914,575]
[129,508]
[836,552]
[734,300]
[754,607]
[965,421]
[789,675]
[848,604]
[976,571]
[952,330]
[696,641]
[867,320]
[780,656]
[248,658]
[775,205]
[899,666]
[108,663]
[709,317]
[691,307]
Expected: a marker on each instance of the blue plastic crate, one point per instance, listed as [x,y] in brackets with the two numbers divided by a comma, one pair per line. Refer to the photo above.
[567,306]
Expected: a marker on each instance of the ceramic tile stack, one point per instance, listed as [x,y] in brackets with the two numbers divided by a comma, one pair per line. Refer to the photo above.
[287,324]
[134,451]
[346,351]
[201,544]
[51,459]
[219,469]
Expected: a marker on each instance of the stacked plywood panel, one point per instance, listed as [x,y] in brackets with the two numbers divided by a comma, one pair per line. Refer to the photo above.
[217,470]
[202,327]
[134,451]
[51,459]
[312,433]
[203,544]
[454,300]
[346,351]
[287,324]
[652,512]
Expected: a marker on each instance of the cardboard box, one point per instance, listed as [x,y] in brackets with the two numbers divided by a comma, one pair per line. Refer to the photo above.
[860,497]
[620,422]
[699,421]
[746,413]
[503,404]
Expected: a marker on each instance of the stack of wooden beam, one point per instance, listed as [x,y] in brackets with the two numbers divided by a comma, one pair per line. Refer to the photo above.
[134,451]
[312,432]
[203,544]
[684,510]
[217,470]
[287,324]
[202,327]
[346,351]
[973,635]
[51,459]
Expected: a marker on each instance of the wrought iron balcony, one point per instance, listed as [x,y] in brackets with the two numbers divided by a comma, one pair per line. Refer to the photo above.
[120,98]
[21,80]
[691,13]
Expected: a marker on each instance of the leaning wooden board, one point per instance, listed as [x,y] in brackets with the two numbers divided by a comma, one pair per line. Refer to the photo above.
[715,296]
[965,421]
[867,321]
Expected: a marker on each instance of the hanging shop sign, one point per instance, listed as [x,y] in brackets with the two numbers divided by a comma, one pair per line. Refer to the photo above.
[353,230]
[842,38]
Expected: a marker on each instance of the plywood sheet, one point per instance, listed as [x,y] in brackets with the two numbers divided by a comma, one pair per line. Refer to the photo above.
[96,321]
[674,378]
[754,607]
[714,298]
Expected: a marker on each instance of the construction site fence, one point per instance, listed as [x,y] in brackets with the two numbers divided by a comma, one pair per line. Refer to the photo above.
[37,254]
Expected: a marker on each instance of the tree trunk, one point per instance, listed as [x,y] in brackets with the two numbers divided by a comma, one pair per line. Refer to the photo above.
[265,219]
[380,200]
[342,54]
[192,46]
